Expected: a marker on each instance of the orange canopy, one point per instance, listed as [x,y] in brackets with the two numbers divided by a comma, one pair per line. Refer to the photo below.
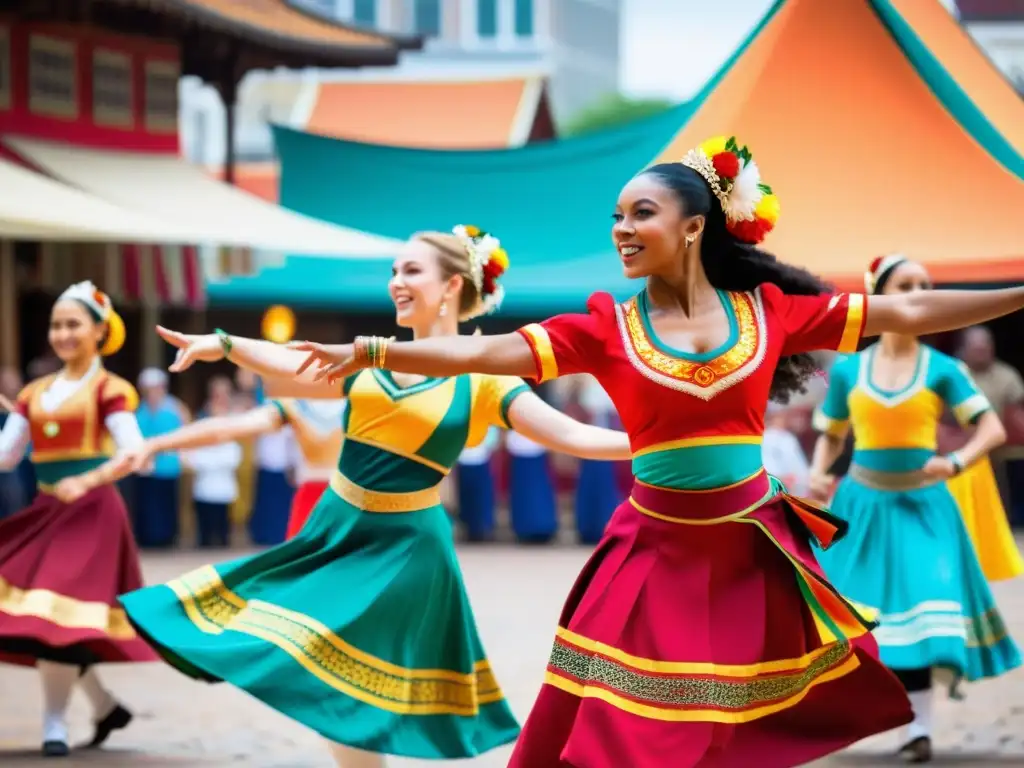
[862,154]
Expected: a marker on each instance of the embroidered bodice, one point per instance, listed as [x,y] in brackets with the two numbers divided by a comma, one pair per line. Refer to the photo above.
[694,420]
[400,439]
[896,431]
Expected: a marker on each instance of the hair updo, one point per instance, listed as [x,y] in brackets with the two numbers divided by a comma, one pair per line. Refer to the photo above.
[732,265]
[453,259]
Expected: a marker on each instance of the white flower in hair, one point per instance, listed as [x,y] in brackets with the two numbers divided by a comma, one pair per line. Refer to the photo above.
[483,248]
[91,296]
[745,194]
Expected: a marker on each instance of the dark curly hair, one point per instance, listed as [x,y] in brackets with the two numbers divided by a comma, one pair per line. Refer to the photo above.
[732,265]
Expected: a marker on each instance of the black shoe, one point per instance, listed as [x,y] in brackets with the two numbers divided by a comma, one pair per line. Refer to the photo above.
[56,749]
[118,718]
[918,750]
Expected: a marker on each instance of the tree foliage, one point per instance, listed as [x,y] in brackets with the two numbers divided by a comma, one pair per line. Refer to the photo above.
[612,110]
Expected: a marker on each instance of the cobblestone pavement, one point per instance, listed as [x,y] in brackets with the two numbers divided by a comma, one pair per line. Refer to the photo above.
[517,594]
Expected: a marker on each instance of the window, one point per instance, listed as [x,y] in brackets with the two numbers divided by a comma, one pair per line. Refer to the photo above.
[51,77]
[5,68]
[364,13]
[524,18]
[161,101]
[487,18]
[427,19]
[112,102]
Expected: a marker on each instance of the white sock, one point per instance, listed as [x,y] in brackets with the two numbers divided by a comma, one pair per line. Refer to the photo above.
[921,702]
[58,682]
[347,757]
[102,702]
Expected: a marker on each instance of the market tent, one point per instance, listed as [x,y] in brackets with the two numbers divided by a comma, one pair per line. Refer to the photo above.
[169,188]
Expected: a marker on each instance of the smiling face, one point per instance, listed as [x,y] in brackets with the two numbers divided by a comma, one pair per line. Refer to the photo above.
[419,287]
[908,277]
[651,227]
[74,332]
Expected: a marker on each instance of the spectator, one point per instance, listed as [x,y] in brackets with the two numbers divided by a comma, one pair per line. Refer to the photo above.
[214,490]
[17,485]
[274,487]
[782,454]
[156,491]
[1003,386]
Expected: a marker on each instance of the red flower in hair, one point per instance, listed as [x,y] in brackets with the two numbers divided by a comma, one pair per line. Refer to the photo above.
[492,269]
[489,285]
[875,264]
[99,297]
[750,231]
[727,165]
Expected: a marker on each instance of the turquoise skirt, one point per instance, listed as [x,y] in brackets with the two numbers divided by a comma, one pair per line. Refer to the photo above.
[360,628]
[907,556]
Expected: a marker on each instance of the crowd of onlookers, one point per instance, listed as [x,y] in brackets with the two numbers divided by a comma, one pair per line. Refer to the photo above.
[207,494]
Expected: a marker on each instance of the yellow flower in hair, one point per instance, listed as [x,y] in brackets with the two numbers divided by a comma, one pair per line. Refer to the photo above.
[768,209]
[713,146]
[472,231]
[500,257]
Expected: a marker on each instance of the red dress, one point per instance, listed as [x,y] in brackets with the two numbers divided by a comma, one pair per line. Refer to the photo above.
[702,631]
[62,566]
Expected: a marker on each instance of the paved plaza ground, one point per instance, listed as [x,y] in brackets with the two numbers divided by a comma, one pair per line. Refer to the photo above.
[517,594]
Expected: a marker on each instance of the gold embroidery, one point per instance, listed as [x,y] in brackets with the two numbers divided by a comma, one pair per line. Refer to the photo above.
[213,608]
[64,611]
[703,374]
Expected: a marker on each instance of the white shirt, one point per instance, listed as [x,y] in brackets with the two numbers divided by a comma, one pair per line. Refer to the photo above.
[16,434]
[481,454]
[523,446]
[784,457]
[273,450]
[596,402]
[215,467]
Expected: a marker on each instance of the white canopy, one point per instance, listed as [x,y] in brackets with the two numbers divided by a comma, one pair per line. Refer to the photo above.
[34,207]
[171,189]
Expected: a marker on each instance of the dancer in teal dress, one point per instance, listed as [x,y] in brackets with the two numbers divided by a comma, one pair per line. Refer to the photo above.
[907,555]
[360,626]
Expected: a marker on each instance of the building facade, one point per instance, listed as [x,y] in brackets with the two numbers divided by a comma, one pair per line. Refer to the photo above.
[573,43]
[998,27]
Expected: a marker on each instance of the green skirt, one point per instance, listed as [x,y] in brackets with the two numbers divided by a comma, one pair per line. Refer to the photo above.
[359,627]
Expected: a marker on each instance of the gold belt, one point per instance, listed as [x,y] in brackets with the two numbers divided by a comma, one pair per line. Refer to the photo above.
[384,501]
[891,481]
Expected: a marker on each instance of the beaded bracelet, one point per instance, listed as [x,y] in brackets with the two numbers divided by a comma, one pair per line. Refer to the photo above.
[372,349]
[958,463]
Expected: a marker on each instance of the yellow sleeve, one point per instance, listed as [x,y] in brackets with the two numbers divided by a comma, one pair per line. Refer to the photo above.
[492,397]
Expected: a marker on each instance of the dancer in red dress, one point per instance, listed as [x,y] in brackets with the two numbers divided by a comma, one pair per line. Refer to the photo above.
[63,565]
[702,631]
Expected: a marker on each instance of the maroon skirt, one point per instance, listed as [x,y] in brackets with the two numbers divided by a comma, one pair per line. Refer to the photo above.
[62,567]
[703,633]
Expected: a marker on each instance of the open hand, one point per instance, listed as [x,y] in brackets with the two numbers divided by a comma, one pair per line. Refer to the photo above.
[820,486]
[134,460]
[334,361]
[206,348]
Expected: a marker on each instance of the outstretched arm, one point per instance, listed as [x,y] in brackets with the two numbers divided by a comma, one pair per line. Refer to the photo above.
[827,450]
[533,418]
[926,312]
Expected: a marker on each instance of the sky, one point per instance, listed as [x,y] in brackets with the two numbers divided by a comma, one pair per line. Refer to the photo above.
[670,48]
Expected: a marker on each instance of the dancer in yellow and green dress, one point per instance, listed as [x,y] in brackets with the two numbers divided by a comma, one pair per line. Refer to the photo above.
[360,626]
[907,555]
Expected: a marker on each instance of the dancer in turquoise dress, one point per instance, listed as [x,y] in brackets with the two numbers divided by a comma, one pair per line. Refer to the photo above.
[360,626]
[907,555]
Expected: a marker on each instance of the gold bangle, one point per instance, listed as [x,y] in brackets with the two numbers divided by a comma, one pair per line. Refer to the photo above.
[383,351]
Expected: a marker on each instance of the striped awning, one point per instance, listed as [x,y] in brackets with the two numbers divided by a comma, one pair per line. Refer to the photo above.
[163,274]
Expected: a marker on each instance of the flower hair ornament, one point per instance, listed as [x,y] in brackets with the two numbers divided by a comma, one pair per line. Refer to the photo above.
[488,261]
[880,270]
[751,209]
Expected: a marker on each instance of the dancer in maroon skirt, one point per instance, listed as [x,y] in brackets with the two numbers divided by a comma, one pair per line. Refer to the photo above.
[62,565]
[702,631]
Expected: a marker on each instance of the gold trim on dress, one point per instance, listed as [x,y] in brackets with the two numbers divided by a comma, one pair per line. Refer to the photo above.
[540,341]
[214,609]
[731,517]
[67,612]
[700,442]
[381,501]
[854,323]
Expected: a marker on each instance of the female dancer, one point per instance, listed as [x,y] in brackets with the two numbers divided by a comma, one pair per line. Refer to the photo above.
[368,598]
[907,555]
[63,565]
[702,627]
